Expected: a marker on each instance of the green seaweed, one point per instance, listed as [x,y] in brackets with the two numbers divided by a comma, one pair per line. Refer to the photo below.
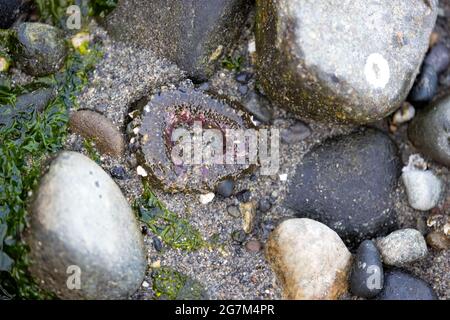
[176,232]
[173,285]
[92,153]
[26,143]
[233,64]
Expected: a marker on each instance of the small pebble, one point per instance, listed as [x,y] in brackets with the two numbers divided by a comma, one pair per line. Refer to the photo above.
[141,171]
[157,244]
[425,87]
[423,188]
[438,241]
[399,285]
[225,188]
[438,58]
[206,198]
[253,246]
[238,236]
[118,172]
[243,89]
[204,86]
[264,205]
[296,133]
[243,77]
[367,277]
[402,247]
[233,211]
[244,196]
[404,114]
[248,211]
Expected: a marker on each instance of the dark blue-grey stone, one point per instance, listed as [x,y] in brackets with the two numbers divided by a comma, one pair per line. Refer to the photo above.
[225,188]
[367,277]
[399,285]
[425,87]
[438,58]
[194,34]
[347,183]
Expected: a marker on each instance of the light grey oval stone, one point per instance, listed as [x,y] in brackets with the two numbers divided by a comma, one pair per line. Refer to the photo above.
[84,239]
[402,247]
[423,188]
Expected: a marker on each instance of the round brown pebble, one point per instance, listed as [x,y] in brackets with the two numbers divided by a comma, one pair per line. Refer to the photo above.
[253,246]
[93,125]
[438,241]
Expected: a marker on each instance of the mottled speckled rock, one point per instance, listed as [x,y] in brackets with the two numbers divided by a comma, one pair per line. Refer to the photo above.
[341,61]
[42,48]
[399,285]
[10,11]
[367,275]
[192,33]
[430,131]
[347,183]
[402,247]
[81,219]
[93,125]
[309,259]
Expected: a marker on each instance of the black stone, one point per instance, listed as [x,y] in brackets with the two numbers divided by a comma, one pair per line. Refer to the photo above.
[425,87]
[347,183]
[118,172]
[157,244]
[399,285]
[438,58]
[244,196]
[10,10]
[225,188]
[367,277]
[193,34]
[258,106]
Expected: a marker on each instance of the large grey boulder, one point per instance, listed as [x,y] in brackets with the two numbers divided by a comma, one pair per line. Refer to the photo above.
[84,239]
[341,61]
[192,33]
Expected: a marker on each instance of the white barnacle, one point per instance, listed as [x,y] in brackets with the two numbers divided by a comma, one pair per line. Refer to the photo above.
[377,71]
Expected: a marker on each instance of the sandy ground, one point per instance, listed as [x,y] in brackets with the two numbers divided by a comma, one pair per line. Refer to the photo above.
[125,75]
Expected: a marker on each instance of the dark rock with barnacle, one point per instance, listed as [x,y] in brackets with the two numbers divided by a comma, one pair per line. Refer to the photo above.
[170,127]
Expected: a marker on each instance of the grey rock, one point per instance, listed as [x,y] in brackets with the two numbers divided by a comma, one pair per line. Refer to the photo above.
[258,106]
[81,222]
[296,133]
[309,259]
[346,183]
[402,247]
[27,103]
[341,61]
[399,285]
[42,48]
[233,211]
[192,33]
[264,205]
[367,275]
[429,131]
